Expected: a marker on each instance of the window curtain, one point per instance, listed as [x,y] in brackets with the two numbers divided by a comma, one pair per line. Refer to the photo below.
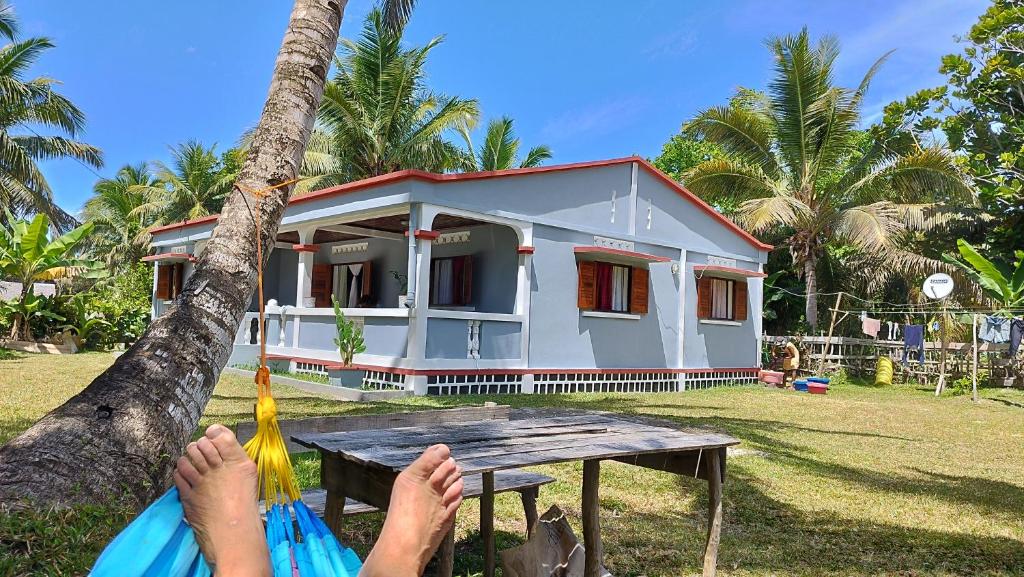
[340,288]
[444,282]
[353,289]
[604,286]
[620,289]
[720,299]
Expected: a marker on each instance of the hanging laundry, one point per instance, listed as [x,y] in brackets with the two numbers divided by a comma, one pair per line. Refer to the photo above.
[870,326]
[913,338]
[1016,332]
[995,329]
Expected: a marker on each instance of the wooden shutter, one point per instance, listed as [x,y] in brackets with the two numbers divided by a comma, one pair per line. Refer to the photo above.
[466,288]
[586,288]
[638,291]
[704,291]
[320,287]
[179,279]
[739,300]
[366,289]
[163,282]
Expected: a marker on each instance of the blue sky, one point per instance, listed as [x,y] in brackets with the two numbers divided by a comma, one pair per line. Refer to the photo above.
[591,79]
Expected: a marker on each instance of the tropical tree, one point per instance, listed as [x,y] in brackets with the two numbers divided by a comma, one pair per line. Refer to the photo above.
[112,440]
[378,116]
[118,212]
[195,184]
[28,255]
[26,106]
[797,163]
[999,282]
[500,150]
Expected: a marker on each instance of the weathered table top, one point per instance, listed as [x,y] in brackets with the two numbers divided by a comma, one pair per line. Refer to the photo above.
[484,446]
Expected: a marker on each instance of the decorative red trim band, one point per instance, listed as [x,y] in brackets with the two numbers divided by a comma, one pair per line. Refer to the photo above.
[169,256]
[729,270]
[433,177]
[526,249]
[305,247]
[619,252]
[424,234]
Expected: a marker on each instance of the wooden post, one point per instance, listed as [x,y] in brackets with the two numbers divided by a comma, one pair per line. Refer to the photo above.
[828,340]
[331,472]
[593,553]
[487,523]
[941,384]
[529,498]
[446,558]
[974,359]
[714,469]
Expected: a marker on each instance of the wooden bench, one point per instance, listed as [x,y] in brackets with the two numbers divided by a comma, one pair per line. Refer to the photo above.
[525,483]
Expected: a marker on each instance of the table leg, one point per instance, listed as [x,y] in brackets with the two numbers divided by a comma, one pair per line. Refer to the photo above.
[529,498]
[714,466]
[331,480]
[446,559]
[594,552]
[487,523]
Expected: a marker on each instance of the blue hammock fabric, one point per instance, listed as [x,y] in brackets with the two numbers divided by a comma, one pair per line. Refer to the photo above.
[159,543]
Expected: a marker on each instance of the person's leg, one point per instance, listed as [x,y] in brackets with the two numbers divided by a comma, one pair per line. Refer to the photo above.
[424,500]
[217,484]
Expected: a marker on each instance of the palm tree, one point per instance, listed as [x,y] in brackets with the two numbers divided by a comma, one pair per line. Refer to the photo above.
[500,149]
[194,185]
[117,211]
[31,105]
[800,166]
[378,116]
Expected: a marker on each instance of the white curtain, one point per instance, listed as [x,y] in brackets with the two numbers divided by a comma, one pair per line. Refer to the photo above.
[444,282]
[354,288]
[620,288]
[721,299]
[340,285]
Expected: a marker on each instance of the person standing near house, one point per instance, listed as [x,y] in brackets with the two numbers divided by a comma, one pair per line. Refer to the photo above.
[790,362]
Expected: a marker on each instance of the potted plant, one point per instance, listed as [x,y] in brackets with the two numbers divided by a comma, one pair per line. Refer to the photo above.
[403,287]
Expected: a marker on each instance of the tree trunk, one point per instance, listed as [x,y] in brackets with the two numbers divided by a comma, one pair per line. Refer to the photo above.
[811,280]
[118,439]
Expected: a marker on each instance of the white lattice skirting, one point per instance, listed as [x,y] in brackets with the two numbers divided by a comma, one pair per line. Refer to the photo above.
[500,384]
[383,381]
[717,378]
[559,383]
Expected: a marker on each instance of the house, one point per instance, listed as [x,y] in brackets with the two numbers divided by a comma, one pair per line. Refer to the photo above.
[595,276]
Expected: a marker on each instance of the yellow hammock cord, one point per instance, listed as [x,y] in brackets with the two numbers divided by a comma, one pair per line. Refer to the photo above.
[267,448]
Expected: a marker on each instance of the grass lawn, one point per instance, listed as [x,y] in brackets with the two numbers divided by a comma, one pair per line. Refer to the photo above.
[864,481]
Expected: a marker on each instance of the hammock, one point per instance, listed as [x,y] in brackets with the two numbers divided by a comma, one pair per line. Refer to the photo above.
[159,542]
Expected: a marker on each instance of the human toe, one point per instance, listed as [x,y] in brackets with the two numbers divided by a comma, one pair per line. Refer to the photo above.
[441,474]
[226,444]
[210,453]
[453,493]
[197,458]
[424,466]
[188,471]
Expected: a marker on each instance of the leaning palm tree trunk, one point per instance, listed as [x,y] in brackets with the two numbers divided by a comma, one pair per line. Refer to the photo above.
[118,439]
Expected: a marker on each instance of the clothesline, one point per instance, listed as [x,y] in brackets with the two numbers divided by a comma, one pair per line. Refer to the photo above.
[931,311]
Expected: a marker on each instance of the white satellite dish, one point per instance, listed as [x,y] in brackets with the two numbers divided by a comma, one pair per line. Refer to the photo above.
[938,286]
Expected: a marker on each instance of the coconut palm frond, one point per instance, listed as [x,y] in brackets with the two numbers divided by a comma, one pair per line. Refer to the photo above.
[870,227]
[724,178]
[760,214]
[744,134]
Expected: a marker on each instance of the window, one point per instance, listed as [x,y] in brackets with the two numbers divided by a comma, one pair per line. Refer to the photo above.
[169,279]
[608,287]
[351,284]
[451,281]
[721,299]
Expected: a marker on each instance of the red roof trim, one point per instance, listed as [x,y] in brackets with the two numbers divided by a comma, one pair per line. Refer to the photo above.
[169,256]
[526,249]
[619,252]
[335,365]
[729,270]
[305,247]
[434,177]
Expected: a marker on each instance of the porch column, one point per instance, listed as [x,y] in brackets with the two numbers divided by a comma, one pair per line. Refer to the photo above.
[152,300]
[304,280]
[524,275]
[419,277]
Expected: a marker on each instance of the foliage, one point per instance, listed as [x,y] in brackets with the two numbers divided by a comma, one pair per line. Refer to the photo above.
[118,212]
[30,315]
[28,255]
[378,116]
[350,337]
[999,282]
[194,185]
[797,162]
[124,302]
[402,279]
[87,327]
[978,111]
[32,105]
[500,150]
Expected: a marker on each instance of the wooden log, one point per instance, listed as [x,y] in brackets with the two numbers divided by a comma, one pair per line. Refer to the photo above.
[446,555]
[592,519]
[529,498]
[487,523]
[714,476]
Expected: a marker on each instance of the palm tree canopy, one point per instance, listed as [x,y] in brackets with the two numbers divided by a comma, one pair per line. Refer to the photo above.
[500,149]
[195,184]
[24,104]
[117,211]
[378,116]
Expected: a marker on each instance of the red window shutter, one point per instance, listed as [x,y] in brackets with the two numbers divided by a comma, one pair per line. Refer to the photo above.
[179,279]
[366,289]
[739,300]
[638,291]
[163,282]
[586,288]
[320,287]
[466,288]
[704,291]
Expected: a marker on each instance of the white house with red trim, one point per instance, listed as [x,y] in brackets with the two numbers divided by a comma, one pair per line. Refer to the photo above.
[594,276]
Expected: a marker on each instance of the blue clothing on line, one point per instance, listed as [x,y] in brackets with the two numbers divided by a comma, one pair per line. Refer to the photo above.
[995,330]
[913,338]
[1016,334]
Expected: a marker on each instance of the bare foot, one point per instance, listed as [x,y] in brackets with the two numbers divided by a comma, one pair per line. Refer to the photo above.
[424,500]
[217,483]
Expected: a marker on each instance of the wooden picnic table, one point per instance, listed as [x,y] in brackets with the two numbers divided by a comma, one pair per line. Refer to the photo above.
[363,465]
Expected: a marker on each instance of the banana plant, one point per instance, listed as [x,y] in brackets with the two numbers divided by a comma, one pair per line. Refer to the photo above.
[997,280]
[28,255]
[84,325]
